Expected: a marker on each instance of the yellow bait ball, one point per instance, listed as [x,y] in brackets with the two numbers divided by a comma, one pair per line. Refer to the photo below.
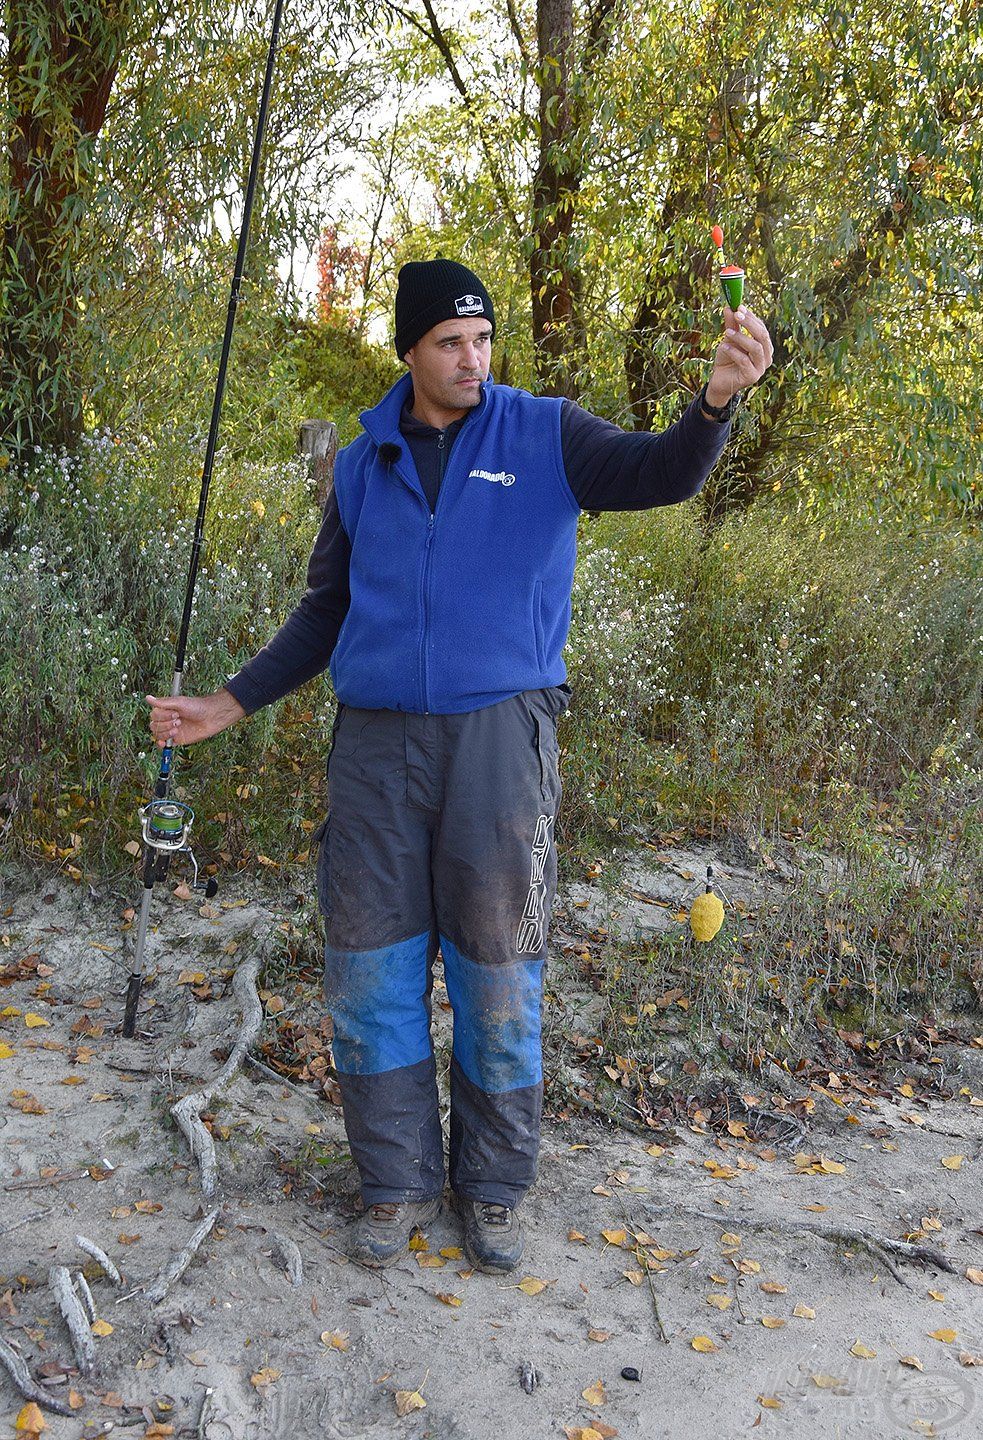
[706,915]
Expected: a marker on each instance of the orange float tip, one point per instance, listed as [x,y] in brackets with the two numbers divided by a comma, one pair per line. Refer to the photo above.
[718,237]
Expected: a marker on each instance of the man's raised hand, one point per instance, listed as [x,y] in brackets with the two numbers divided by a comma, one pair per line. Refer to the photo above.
[740,360]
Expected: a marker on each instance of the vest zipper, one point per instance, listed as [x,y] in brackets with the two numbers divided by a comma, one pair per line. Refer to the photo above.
[424,669]
[425,589]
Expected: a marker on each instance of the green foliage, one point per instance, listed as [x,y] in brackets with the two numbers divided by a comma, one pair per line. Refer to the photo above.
[123,182]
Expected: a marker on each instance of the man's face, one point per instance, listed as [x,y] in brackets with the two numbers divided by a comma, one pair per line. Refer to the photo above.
[448,365]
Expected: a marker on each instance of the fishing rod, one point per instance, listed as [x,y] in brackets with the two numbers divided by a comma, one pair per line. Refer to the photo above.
[166,823]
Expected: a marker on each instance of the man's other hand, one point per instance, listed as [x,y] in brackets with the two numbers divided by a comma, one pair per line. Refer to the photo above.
[740,359]
[184,719]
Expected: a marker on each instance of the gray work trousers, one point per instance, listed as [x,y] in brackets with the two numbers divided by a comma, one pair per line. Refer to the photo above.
[439,836]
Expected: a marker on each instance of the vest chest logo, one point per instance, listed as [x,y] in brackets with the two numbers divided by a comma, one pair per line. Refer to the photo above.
[497,477]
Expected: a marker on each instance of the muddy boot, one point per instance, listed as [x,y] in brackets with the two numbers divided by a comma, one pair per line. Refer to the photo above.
[492,1235]
[382,1234]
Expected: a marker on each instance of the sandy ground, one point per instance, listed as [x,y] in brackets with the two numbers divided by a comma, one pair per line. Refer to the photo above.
[87,1147]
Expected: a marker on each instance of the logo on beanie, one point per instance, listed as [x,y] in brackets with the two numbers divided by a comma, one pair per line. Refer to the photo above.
[469,305]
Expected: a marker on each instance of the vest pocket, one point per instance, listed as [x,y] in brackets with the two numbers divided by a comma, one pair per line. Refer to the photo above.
[537,624]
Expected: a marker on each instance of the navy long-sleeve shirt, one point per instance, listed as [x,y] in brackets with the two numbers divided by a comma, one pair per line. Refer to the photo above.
[607,468]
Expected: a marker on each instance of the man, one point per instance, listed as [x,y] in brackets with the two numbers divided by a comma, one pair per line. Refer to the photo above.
[439,592]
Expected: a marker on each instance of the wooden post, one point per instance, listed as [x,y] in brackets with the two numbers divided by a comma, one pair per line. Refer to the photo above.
[319,440]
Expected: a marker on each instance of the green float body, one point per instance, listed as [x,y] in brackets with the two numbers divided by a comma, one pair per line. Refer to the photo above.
[732,284]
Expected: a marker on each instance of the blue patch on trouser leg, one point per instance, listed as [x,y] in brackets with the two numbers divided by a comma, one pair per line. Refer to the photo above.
[378,1001]
[497,1018]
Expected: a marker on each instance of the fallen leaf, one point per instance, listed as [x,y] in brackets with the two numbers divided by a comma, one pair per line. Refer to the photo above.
[6,1051]
[452,1252]
[75,1400]
[827,1382]
[418,1241]
[634,1277]
[770,1402]
[191,977]
[531,1286]
[912,1361]
[862,1352]
[655,1150]
[431,1262]
[772,1287]
[952,1162]
[32,1021]
[408,1400]
[335,1339]
[615,1237]
[72,1080]
[101,1327]
[972,1273]
[447,1299]
[772,1322]
[803,1312]
[599,1336]
[30,1421]
[573,1235]
[26,1103]
[127,1239]
[595,1394]
[722,1302]
[966,1359]
[729,1239]
[147,1207]
[703,1343]
[946,1336]
[264,1378]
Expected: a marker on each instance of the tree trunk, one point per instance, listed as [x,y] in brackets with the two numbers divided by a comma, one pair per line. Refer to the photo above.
[61,67]
[556,326]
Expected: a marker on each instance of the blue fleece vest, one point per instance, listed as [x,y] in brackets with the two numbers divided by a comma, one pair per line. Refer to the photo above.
[462,608]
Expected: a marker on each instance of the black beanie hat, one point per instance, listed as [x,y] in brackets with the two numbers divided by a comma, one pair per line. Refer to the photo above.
[429,291]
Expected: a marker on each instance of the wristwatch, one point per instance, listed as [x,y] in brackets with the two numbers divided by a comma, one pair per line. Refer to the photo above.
[720,412]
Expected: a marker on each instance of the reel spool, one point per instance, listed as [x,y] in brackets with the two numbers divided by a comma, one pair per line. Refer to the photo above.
[166,825]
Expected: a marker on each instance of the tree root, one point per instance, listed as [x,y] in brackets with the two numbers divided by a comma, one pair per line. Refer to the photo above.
[16,1367]
[187,1111]
[156,1292]
[85,1297]
[74,1317]
[882,1247]
[101,1258]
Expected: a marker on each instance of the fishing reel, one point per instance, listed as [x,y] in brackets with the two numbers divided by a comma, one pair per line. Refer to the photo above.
[166,825]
